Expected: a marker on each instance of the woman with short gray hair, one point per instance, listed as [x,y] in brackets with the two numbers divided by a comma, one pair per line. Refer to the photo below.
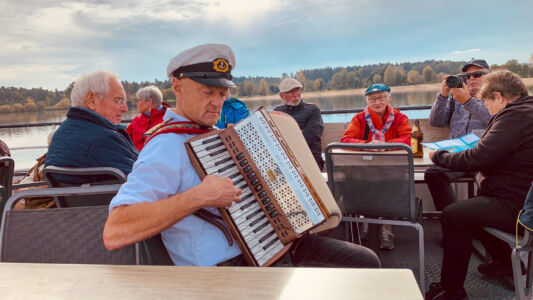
[152,108]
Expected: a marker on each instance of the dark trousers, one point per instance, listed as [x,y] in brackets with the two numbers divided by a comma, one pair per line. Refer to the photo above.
[461,222]
[439,184]
[322,252]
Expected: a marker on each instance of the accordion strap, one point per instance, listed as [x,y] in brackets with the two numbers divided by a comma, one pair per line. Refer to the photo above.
[182,127]
[211,218]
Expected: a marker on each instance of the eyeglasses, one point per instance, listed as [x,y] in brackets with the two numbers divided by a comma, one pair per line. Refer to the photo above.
[476,74]
[119,101]
[376,99]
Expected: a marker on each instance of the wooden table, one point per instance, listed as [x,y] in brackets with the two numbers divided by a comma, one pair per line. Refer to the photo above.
[57,281]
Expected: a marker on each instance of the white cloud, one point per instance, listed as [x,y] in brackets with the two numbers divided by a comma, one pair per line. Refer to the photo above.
[460,52]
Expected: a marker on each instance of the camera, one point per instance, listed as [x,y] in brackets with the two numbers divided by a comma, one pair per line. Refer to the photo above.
[455,81]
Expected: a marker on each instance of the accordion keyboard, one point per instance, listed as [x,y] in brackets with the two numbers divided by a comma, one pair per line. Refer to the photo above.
[248,215]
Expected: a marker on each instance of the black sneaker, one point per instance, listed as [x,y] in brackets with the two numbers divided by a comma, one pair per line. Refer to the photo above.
[437,292]
[497,268]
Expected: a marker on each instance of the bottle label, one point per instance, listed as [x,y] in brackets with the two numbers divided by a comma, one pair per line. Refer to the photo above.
[414,145]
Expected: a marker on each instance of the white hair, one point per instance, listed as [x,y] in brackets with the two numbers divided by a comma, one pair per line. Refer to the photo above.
[150,92]
[96,82]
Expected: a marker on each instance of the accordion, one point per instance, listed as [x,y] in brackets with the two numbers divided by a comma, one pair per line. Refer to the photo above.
[284,194]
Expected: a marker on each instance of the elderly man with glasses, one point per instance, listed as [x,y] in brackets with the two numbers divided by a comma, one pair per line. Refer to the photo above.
[379,123]
[92,136]
[307,115]
[460,109]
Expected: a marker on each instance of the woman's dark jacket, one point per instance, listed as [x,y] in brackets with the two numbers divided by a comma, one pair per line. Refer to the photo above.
[504,155]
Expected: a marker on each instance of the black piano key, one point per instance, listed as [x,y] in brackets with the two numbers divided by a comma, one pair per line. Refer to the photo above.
[251,175]
[255,181]
[238,181]
[210,140]
[223,161]
[225,168]
[252,224]
[240,156]
[214,146]
[261,226]
[252,214]
[266,236]
[247,205]
[245,197]
[270,243]
[217,152]
[247,169]
[258,188]
[266,200]
[234,175]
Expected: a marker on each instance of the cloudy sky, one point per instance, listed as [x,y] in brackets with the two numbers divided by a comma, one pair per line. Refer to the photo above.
[46,43]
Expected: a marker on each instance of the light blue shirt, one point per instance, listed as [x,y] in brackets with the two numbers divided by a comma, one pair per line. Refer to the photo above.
[162,170]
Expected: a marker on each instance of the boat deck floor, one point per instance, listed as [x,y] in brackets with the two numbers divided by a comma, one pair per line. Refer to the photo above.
[405,255]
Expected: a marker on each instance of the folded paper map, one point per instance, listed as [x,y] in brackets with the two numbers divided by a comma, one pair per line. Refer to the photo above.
[468,141]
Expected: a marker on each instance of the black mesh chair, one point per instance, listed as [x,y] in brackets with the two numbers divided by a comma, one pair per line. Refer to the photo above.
[96,176]
[154,252]
[7,167]
[60,235]
[376,185]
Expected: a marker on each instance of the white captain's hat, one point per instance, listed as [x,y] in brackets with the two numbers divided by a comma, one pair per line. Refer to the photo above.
[209,64]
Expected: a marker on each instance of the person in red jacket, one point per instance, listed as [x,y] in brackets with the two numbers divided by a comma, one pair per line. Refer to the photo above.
[379,123]
[152,108]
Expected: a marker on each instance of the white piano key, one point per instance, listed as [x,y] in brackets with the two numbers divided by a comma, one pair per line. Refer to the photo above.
[258,250]
[199,142]
[277,248]
[211,162]
[209,153]
[245,229]
[240,216]
[253,238]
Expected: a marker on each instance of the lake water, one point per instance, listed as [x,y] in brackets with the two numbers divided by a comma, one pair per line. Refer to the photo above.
[37,136]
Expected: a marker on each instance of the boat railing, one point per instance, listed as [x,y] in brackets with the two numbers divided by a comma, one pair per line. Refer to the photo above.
[327,118]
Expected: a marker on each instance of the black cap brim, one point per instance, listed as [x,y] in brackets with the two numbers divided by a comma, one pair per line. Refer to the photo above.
[223,82]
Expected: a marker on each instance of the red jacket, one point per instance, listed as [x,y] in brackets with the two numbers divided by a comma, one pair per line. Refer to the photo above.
[143,122]
[399,131]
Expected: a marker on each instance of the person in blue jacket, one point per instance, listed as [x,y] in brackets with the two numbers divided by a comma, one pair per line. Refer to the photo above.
[92,136]
[233,110]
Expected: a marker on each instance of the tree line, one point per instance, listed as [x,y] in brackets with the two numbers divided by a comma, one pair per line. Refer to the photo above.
[319,79]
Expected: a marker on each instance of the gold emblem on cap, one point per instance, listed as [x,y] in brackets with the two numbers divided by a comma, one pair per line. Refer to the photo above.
[221,65]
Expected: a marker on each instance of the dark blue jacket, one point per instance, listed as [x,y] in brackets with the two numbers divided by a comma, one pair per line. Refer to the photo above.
[86,139]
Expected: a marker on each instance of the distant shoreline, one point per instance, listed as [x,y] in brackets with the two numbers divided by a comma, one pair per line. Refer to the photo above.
[403,88]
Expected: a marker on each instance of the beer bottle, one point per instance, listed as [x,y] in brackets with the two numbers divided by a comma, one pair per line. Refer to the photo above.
[416,140]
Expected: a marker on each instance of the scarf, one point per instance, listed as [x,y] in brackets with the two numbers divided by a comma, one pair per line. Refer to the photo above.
[379,135]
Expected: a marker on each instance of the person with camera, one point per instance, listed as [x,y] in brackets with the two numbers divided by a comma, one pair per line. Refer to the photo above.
[457,106]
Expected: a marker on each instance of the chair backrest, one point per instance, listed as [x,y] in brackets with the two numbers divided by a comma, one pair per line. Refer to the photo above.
[373,184]
[332,133]
[7,167]
[98,176]
[59,235]
[154,252]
